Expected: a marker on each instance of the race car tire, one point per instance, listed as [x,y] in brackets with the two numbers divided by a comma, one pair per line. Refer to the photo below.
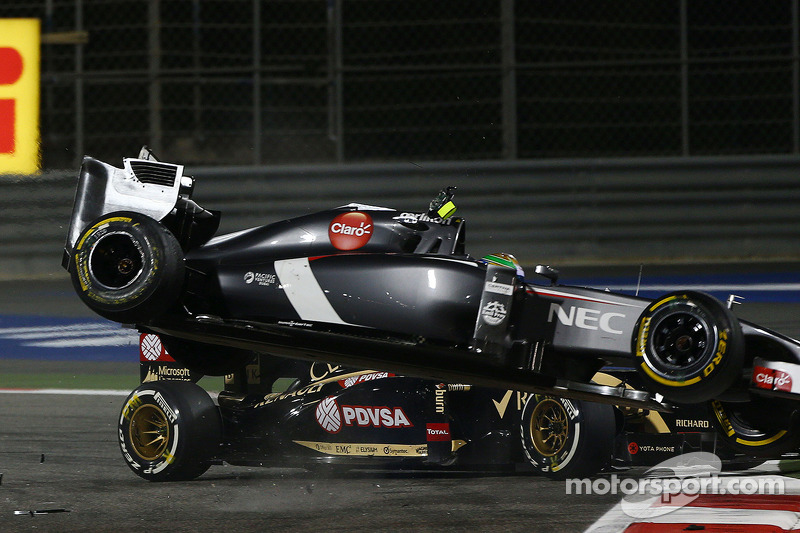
[127,267]
[759,428]
[207,359]
[564,438]
[689,347]
[169,430]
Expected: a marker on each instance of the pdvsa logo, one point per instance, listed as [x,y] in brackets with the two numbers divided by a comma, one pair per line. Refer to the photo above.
[350,231]
[19,96]
[331,417]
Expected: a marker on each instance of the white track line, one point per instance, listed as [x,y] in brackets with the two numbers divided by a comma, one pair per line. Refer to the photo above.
[70,392]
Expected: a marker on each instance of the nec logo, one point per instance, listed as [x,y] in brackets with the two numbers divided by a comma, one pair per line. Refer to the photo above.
[584,318]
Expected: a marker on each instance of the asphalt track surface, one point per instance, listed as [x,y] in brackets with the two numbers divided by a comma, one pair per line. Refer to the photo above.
[62,470]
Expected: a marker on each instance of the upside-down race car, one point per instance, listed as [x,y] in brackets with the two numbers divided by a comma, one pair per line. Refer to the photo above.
[396,291]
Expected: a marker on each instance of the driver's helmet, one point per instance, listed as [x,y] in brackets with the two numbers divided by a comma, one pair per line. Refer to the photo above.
[505,260]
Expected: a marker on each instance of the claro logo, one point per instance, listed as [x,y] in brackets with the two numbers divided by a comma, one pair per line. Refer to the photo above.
[584,318]
[771,379]
[19,96]
[350,231]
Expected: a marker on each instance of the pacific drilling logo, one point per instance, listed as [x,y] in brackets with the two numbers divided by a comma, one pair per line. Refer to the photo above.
[350,231]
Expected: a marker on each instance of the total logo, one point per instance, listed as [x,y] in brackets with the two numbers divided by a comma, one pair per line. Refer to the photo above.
[438,432]
[350,231]
[332,418]
[768,378]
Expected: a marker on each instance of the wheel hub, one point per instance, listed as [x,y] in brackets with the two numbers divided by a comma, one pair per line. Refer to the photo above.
[149,432]
[549,427]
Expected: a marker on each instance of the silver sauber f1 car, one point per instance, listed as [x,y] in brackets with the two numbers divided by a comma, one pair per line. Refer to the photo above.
[396,291]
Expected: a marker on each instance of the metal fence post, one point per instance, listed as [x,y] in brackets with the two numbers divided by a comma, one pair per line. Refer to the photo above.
[79,118]
[509,79]
[795,77]
[684,50]
[256,82]
[154,67]
[335,78]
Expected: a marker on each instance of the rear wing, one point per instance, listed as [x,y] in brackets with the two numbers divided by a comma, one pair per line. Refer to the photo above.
[144,185]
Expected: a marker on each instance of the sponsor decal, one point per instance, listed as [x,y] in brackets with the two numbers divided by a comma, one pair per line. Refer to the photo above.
[688,423]
[499,288]
[328,416]
[152,349]
[439,395]
[438,432]
[648,448]
[331,417]
[633,448]
[350,231]
[168,372]
[320,371]
[413,218]
[494,313]
[19,95]
[363,378]
[366,416]
[585,318]
[295,324]
[771,379]
[165,407]
[277,396]
[366,449]
[260,278]
[570,408]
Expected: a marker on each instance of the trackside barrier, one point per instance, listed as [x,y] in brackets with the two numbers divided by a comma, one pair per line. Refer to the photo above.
[565,212]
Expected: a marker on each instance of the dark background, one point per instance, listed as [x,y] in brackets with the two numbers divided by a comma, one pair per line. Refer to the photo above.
[297,81]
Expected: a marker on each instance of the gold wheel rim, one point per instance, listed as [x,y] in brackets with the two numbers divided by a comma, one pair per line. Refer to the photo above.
[549,427]
[149,432]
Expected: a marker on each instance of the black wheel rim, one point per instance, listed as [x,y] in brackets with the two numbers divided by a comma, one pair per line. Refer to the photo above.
[116,260]
[680,342]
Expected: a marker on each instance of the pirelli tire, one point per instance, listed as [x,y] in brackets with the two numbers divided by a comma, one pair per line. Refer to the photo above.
[127,267]
[759,428]
[564,438]
[169,431]
[689,347]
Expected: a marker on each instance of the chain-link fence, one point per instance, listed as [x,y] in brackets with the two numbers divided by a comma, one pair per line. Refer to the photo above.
[268,81]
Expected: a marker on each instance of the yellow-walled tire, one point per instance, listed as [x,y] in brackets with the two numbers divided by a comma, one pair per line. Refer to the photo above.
[127,267]
[759,428]
[689,347]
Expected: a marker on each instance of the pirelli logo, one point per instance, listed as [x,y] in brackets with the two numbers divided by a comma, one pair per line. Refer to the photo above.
[19,96]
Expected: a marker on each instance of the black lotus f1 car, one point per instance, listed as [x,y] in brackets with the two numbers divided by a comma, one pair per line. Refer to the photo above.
[393,290]
[286,412]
